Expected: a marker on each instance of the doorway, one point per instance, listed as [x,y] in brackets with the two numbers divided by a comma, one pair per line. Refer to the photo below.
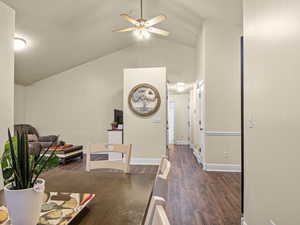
[178,119]
[171,122]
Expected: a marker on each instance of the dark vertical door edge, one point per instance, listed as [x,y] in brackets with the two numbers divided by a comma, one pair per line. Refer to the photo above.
[242,127]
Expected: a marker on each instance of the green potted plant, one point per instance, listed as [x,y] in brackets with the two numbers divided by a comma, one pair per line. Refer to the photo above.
[24,189]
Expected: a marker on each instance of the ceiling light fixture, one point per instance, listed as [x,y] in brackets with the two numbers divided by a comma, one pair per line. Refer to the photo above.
[180,86]
[142,34]
[19,44]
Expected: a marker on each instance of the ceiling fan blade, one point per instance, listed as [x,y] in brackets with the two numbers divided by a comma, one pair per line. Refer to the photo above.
[130,19]
[158,31]
[125,30]
[155,20]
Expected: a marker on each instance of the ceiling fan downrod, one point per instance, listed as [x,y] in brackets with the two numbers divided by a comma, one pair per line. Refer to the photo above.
[141,9]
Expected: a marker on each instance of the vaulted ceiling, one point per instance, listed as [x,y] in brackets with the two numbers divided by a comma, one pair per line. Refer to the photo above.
[62,34]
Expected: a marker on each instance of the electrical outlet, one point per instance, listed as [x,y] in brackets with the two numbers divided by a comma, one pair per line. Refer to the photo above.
[272,222]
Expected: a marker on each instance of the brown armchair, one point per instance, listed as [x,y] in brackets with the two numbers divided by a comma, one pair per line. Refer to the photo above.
[34,137]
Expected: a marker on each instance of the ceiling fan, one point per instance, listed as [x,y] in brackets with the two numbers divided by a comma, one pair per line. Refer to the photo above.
[143,28]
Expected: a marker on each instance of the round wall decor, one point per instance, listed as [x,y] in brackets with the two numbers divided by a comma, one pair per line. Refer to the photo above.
[144,100]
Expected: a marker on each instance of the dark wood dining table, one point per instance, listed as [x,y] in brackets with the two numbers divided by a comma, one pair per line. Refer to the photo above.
[121,199]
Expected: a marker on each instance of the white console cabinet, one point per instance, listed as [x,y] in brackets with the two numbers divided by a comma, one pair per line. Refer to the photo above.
[115,136]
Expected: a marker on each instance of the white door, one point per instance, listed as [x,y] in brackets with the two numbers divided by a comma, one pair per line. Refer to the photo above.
[201,119]
[171,122]
[190,117]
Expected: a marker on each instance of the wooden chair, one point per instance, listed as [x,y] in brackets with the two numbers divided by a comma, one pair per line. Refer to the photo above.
[161,181]
[156,213]
[120,164]
[160,187]
[161,165]
[160,216]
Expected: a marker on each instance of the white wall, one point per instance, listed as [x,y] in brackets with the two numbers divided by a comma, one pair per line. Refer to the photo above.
[78,104]
[272,93]
[19,104]
[7,29]
[181,117]
[221,68]
[148,135]
[200,55]
[195,117]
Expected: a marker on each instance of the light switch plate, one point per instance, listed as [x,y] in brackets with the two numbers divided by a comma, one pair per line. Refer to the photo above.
[251,122]
[156,121]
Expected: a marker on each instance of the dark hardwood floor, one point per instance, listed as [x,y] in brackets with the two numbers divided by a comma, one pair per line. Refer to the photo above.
[196,197]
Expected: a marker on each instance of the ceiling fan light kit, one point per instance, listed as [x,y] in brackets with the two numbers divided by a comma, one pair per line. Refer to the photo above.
[143,28]
[142,34]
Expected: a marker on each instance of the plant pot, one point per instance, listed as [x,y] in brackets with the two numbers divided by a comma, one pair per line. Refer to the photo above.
[24,206]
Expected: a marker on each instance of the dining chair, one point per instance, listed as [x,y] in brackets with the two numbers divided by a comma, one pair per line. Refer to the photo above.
[160,216]
[161,181]
[123,164]
[161,165]
[156,212]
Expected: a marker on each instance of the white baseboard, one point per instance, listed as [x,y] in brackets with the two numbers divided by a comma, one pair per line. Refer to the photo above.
[145,161]
[223,167]
[243,222]
[198,157]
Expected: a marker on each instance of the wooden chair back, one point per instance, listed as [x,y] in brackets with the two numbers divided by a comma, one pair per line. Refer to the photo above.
[154,202]
[101,164]
[161,181]
[162,165]
[160,216]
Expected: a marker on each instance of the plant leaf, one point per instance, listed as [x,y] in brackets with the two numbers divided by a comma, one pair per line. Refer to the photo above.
[37,162]
[14,165]
[7,173]
[51,160]
[22,168]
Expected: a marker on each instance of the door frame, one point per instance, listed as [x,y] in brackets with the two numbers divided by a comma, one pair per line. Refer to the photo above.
[242,130]
[200,92]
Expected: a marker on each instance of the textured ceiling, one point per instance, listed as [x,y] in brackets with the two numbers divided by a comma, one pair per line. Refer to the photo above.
[62,34]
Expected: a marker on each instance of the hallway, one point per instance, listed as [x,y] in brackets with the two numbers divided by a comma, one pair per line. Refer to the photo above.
[197,197]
